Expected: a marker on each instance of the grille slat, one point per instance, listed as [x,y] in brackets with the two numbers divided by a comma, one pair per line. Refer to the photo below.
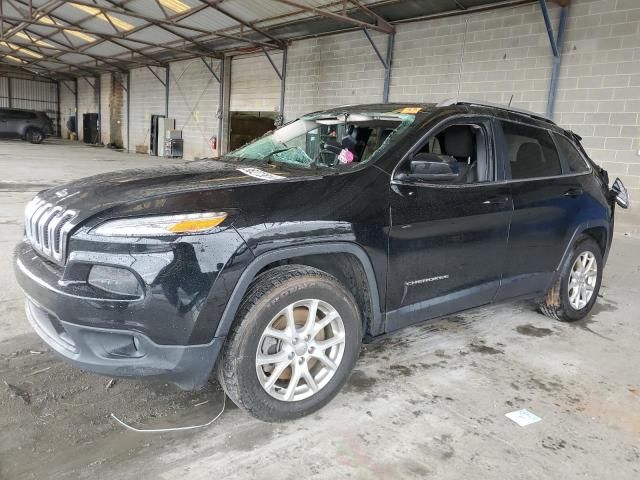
[47,228]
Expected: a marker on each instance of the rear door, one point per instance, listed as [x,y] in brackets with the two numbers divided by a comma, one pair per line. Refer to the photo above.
[447,241]
[545,201]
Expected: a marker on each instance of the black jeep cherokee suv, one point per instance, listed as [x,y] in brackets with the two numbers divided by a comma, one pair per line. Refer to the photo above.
[275,261]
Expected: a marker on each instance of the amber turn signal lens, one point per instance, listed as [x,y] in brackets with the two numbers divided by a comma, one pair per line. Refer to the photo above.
[198,225]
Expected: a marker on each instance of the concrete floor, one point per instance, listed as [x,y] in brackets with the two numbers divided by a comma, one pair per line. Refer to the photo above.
[427,402]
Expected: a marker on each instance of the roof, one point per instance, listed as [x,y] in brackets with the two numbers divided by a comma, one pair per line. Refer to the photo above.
[88,37]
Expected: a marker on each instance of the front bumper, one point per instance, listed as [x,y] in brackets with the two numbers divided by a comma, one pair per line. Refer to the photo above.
[142,337]
[122,353]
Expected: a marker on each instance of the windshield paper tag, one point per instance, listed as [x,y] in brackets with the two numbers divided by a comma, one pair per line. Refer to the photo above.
[257,173]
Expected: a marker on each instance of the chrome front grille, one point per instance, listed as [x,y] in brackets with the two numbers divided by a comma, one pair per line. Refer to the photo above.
[47,227]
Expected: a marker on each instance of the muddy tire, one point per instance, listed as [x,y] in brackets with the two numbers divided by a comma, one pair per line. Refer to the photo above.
[293,344]
[576,290]
[34,135]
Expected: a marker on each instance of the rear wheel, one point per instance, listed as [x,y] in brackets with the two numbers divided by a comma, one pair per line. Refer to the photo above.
[576,290]
[34,135]
[295,340]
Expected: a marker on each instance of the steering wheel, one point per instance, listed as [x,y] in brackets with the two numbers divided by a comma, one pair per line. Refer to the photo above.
[326,157]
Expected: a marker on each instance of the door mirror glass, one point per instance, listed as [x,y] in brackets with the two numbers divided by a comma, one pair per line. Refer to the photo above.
[620,193]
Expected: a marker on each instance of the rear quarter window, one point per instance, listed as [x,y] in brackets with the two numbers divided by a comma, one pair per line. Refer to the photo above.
[531,151]
[574,160]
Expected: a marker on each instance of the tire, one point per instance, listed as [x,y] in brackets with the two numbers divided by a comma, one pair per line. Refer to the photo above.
[558,303]
[271,294]
[34,135]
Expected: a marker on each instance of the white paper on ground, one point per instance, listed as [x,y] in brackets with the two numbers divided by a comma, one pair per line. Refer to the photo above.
[523,417]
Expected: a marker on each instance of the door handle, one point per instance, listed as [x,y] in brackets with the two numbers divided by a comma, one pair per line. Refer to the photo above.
[496,201]
[574,192]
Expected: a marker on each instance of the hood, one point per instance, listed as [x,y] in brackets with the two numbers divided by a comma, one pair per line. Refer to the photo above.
[91,195]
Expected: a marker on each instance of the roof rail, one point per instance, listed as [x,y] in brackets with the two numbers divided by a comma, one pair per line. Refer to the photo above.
[481,103]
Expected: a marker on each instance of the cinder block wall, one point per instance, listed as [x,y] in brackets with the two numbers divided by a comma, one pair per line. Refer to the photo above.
[193,102]
[147,98]
[255,86]
[333,70]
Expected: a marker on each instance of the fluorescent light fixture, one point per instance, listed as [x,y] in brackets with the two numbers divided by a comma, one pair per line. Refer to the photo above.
[175,5]
[39,42]
[14,59]
[96,12]
[80,35]
[19,49]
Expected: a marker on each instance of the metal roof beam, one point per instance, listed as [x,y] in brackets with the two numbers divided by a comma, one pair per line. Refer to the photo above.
[335,16]
[378,18]
[215,5]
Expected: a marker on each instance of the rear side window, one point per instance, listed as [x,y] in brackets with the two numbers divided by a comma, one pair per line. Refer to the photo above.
[531,152]
[574,159]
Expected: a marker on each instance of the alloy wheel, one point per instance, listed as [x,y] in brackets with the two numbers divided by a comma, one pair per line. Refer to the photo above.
[582,280]
[300,350]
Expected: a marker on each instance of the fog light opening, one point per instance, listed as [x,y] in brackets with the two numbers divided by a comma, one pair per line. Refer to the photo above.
[115,280]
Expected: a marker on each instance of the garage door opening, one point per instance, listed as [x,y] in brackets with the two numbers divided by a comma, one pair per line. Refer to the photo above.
[247,126]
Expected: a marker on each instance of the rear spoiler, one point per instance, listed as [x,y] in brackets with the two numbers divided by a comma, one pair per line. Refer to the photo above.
[578,139]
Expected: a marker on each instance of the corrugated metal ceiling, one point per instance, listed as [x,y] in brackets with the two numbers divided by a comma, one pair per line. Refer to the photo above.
[67,38]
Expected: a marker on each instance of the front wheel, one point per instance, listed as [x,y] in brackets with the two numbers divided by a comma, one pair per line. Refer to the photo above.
[295,340]
[34,136]
[576,290]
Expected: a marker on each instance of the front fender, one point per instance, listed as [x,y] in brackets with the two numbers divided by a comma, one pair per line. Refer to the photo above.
[279,254]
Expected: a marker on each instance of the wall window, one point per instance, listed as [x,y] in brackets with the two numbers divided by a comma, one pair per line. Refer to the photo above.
[572,156]
[530,151]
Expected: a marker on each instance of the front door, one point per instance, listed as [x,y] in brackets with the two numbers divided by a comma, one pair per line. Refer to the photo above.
[448,238]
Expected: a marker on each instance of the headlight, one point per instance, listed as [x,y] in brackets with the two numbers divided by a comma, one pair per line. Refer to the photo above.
[159,225]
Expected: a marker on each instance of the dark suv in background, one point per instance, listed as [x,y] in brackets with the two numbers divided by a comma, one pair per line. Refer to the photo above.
[270,265]
[29,125]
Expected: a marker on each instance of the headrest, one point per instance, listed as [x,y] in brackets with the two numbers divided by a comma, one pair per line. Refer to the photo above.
[459,141]
[348,142]
[529,152]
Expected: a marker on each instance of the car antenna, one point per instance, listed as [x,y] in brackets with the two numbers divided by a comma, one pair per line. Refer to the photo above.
[511,99]
[464,45]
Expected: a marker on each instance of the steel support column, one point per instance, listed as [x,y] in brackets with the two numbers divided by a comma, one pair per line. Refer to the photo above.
[282,74]
[128,110]
[98,94]
[556,40]
[283,82]
[167,73]
[220,105]
[59,122]
[387,70]
[386,61]
[75,94]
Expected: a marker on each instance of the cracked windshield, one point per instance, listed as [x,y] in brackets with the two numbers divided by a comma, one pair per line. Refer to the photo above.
[329,140]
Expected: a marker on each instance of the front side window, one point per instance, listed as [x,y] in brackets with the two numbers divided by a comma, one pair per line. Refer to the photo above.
[530,151]
[573,158]
[456,154]
[327,139]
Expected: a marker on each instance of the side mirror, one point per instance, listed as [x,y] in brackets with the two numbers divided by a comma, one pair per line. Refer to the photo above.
[620,193]
[431,167]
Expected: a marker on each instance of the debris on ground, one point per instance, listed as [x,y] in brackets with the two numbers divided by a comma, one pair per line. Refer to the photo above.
[523,417]
[37,372]
[19,393]
[110,384]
